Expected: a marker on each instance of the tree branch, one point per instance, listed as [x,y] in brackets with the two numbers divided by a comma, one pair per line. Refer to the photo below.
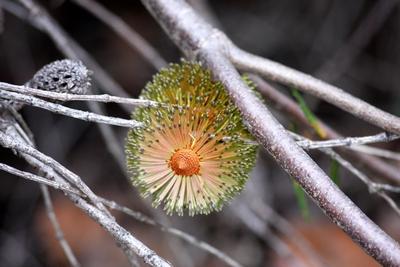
[57,228]
[308,84]
[105,98]
[377,152]
[348,141]
[198,39]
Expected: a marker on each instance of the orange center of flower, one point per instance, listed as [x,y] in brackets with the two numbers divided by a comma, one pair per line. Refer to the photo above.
[185,162]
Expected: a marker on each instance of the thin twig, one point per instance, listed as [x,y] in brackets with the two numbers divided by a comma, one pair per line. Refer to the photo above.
[377,152]
[197,39]
[59,233]
[124,31]
[105,98]
[260,229]
[373,187]
[37,179]
[74,113]
[282,225]
[348,141]
[390,201]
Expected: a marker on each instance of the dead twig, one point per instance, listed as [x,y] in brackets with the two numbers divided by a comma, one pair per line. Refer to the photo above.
[124,31]
[57,228]
[105,98]
[74,113]
[308,84]
[350,142]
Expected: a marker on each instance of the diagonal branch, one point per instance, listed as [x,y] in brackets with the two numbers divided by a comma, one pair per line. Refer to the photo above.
[124,31]
[57,228]
[198,39]
[308,84]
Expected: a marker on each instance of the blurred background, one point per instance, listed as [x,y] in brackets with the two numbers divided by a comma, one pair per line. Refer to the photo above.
[352,44]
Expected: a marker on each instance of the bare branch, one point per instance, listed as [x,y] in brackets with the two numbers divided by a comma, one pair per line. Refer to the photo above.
[73,97]
[260,229]
[197,38]
[59,233]
[308,84]
[373,187]
[38,179]
[74,113]
[278,222]
[377,152]
[350,142]
[124,31]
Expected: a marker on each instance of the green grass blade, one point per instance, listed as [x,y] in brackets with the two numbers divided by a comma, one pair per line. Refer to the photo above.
[301,200]
[312,119]
[334,172]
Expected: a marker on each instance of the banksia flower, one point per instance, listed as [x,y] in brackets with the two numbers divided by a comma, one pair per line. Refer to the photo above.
[193,155]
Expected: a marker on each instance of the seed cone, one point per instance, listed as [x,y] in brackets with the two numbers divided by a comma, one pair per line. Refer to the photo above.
[191,156]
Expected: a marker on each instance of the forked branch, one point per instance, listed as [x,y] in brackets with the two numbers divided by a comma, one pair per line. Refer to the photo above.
[197,39]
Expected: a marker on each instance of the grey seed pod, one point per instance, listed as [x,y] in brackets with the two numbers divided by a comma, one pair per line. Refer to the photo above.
[62,76]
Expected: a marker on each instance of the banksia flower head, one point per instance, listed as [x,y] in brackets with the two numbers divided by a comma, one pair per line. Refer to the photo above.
[193,155]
